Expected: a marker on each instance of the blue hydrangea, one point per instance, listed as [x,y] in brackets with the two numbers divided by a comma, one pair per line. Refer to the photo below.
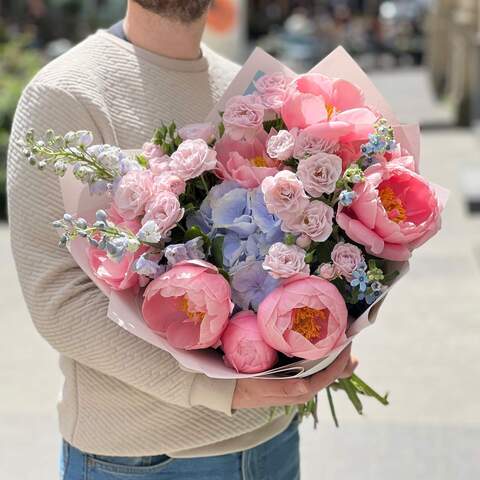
[251,284]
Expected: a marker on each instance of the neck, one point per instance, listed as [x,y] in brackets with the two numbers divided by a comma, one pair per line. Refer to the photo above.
[163,36]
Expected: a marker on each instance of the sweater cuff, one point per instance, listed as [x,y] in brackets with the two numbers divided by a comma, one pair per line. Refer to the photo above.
[213,393]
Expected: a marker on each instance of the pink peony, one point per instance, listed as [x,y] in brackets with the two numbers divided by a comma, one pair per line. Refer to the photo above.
[150,150]
[159,165]
[170,182]
[346,259]
[133,192]
[281,145]
[243,345]
[395,211]
[319,173]
[189,305]
[192,158]
[305,318]
[314,98]
[165,210]
[203,131]
[284,195]
[119,275]
[316,221]
[243,117]
[285,261]
[244,162]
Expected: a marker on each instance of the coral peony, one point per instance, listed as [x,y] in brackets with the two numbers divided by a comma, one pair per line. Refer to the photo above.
[189,305]
[305,317]
[395,210]
[243,345]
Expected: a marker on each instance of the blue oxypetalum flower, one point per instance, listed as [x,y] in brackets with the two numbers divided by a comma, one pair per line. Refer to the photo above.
[347,197]
[359,280]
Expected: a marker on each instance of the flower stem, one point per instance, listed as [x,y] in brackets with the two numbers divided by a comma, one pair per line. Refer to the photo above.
[332,407]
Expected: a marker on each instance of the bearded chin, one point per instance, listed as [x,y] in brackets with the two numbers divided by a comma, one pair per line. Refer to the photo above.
[185,11]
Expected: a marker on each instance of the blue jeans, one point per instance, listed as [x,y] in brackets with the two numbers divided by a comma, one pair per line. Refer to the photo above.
[277,459]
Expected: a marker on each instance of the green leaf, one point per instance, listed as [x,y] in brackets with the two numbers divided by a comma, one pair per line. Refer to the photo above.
[310,257]
[332,407]
[217,251]
[195,232]
[352,394]
[390,277]
[365,389]
[221,129]
[142,160]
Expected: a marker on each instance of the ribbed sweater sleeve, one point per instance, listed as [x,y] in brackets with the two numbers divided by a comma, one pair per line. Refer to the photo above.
[67,308]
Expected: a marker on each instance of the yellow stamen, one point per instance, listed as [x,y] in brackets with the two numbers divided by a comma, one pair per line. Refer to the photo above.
[258,161]
[306,321]
[192,315]
[393,205]
[330,111]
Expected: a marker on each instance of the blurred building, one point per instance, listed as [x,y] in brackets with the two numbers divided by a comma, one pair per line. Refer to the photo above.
[454,56]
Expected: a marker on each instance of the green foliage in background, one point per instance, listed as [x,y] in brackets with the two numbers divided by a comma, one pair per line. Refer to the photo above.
[18,64]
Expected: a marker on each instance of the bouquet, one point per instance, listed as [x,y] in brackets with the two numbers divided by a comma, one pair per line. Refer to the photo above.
[255,243]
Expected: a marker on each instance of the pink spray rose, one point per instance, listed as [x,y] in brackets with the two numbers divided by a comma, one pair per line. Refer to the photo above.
[164,209]
[244,162]
[132,193]
[284,261]
[327,271]
[316,221]
[346,259]
[192,158]
[243,345]
[119,275]
[339,137]
[307,143]
[305,318]
[159,165]
[319,173]
[281,145]
[204,131]
[314,98]
[395,211]
[285,196]
[272,90]
[170,182]
[189,305]
[150,150]
[304,241]
[243,117]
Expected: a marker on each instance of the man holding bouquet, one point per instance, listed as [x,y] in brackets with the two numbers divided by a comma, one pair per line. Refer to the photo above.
[127,409]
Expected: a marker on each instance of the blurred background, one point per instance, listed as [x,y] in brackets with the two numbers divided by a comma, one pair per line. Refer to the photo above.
[424,55]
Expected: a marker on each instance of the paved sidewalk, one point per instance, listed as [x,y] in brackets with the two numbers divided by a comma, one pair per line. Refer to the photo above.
[424,350]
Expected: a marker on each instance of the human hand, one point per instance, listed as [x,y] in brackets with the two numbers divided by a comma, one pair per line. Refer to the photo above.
[254,392]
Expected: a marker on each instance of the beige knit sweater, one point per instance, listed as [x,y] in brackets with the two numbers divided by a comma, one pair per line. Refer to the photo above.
[121,396]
